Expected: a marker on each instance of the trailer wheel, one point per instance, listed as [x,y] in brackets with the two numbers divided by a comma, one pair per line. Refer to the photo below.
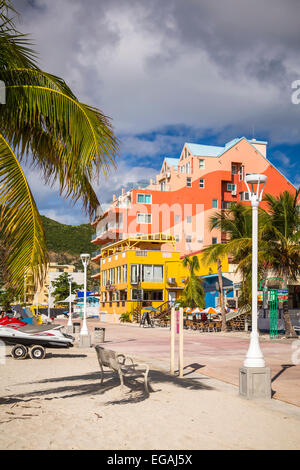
[19,351]
[37,352]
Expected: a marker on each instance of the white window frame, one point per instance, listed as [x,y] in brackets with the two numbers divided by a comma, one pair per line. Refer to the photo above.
[217,204]
[231,187]
[189,185]
[201,164]
[144,218]
[234,169]
[144,196]
[201,183]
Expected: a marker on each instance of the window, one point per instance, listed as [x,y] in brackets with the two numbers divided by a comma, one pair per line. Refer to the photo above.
[104,278]
[241,173]
[177,238]
[124,273]
[152,273]
[136,294]
[177,219]
[244,196]
[182,169]
[144,198]
[231,187]
[112,275]
[214,240]
[201,183]
[201,164]
[118,274]
[189,182]
[188,238]
[134,274]
[144,218]
[188,168]
[153,295]
[141,253]
[189,219]
[215,203]
[234,169]
[163,185]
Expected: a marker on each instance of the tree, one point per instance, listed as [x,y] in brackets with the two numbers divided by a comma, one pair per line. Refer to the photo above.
[236,223]
[193,294]
[62,287]
[44,123]
[280,230]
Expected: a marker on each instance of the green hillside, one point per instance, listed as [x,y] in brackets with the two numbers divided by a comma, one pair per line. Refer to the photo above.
[68,239]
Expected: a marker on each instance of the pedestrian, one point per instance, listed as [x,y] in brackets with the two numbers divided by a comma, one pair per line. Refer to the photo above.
[2,314]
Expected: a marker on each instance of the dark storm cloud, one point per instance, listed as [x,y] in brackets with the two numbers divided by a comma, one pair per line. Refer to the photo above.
[221,67]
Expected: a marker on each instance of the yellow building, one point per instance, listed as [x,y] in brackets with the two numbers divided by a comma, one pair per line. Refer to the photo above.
[141,271]
[54,270]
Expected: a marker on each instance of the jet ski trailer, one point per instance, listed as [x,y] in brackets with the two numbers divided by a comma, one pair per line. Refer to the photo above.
[32,340]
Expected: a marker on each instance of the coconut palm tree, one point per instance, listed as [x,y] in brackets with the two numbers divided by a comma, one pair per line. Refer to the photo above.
[42,123]
[280,230]
[236,223]
[193,294]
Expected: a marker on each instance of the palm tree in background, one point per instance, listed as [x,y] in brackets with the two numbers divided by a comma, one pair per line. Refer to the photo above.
[280,229]
[193,294]
[278,244]
[42,123]
[236,222]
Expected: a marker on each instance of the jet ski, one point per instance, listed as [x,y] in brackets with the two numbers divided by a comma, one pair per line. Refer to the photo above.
[32,339]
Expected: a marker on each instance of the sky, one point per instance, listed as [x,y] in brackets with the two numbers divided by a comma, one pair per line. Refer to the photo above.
[168,72]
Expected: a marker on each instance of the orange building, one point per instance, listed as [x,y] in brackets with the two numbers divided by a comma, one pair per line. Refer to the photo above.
[186,192]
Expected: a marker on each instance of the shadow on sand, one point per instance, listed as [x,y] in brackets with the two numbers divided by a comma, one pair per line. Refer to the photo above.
[92,387]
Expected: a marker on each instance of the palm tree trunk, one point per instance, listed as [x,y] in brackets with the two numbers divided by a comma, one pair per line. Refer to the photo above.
[289,329]
[221,296]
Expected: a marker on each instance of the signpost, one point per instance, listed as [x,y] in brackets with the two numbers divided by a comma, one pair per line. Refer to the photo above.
[270,297]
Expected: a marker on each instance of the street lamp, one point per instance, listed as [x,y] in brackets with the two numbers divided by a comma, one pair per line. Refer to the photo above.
[85,258]
[255,377]
[70,324]
[254,357]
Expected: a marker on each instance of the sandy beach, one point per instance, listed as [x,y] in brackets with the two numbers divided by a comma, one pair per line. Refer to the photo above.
[58,403]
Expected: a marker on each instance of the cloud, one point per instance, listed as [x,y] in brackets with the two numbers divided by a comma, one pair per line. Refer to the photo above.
[167,69]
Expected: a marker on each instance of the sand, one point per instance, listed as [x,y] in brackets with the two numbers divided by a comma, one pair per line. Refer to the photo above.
[58,403]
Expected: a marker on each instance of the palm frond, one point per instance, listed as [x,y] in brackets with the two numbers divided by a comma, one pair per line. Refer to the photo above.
[20,224]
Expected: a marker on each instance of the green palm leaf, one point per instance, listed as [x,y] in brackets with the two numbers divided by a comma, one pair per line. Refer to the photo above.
[20,224]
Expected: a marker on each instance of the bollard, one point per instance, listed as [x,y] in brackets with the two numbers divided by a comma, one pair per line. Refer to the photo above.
[99,335]
[76,327]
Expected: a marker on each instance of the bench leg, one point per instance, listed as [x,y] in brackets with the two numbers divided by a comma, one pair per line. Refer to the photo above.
[122,381]
[102,374]
[146,382]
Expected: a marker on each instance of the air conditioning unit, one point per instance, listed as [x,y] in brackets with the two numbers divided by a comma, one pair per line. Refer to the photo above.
[171,280]
[233,193]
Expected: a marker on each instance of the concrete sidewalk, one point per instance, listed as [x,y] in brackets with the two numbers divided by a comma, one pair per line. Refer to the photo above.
[217,355]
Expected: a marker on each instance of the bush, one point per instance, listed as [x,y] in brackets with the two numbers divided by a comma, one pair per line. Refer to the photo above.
[125,318]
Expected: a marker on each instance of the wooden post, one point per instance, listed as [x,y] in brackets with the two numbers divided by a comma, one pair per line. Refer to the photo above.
[180,355]
[172,345]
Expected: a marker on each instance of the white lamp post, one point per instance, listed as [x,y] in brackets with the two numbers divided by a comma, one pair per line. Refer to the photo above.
[254,357]
[85,258]
[70,324]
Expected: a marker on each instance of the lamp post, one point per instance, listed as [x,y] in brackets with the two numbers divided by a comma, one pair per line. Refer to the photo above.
[255,378]
[254,357]
[84,333]
[70,324]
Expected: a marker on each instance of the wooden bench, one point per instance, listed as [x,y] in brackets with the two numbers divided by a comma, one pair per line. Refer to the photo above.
[124,365]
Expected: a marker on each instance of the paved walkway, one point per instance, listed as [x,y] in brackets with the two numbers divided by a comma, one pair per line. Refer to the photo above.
[217,355]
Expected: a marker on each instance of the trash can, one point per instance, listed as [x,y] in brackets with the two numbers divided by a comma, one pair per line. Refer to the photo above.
[76,327]
[99,335]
